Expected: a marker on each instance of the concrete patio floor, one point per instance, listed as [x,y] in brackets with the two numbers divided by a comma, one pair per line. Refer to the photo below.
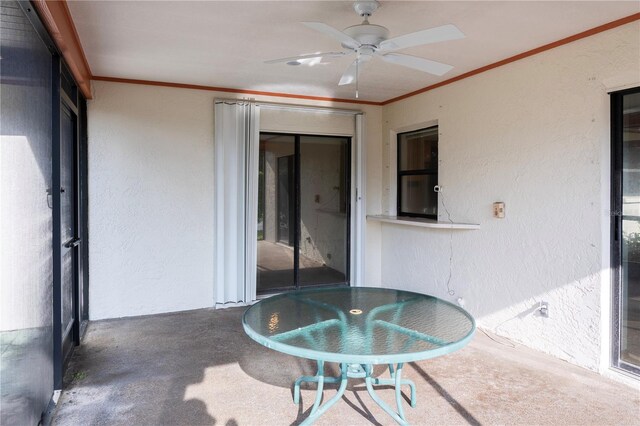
[199,368]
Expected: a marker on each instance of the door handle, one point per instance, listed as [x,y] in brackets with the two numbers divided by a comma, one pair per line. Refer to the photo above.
[74,242]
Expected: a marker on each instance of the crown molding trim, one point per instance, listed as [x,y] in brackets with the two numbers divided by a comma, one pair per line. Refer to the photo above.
[57,20]
[561,42]
[230,90]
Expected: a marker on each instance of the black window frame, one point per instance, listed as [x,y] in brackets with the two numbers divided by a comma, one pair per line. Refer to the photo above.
[433,171]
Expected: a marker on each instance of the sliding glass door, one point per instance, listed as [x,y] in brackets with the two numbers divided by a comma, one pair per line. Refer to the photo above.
[276,182]
[26,220]
[626,228]
[303,211]
[69,229]
[42,215]
[323,214]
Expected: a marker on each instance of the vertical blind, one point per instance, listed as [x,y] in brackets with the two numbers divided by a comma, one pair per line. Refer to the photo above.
[237,126]
[235,210]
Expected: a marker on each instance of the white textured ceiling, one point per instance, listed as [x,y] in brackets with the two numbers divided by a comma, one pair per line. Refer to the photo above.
[224,43]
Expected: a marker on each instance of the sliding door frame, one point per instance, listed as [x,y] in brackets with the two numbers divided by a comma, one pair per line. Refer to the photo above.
[297,231]
[77,103]
[297,226]
[70,105]
[616,227]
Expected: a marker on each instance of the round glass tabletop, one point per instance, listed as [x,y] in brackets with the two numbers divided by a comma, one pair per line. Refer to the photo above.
[359,325]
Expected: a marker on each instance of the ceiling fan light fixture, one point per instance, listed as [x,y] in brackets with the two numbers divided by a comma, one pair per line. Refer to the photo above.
[294,63]
[367,34]
[365,54]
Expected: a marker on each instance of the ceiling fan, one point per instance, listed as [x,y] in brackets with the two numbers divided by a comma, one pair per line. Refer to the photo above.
[368,40]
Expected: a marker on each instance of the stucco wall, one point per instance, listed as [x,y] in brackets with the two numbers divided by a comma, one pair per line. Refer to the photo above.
[535,135]
[151,200]
[151,197]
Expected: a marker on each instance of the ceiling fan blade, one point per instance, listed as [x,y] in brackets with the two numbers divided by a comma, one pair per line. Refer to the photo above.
[332,32]
[420,64]
[309,56]
[349,76]
[432,35]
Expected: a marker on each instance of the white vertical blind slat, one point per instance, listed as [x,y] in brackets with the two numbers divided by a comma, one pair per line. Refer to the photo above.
[359,210]
[235,144]
[251,200]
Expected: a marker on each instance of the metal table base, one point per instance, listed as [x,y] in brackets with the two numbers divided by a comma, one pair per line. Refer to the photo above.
[356,371]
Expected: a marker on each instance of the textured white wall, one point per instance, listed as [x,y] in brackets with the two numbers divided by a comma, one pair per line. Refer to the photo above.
[151,200]
[534,134]
[151,197]
[306,122]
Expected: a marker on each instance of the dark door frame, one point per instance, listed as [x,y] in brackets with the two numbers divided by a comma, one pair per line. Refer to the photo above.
[63,346]
[77,103]
[616,226]
[68,107]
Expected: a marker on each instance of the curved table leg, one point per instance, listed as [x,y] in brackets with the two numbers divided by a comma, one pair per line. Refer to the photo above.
[399,391]
[312,379]
[398,384]
[320,388]
[317,411]
[397,381]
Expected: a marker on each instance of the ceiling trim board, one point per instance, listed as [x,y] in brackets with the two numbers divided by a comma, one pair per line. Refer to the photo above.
[230,90]
[593,31]
[58,21]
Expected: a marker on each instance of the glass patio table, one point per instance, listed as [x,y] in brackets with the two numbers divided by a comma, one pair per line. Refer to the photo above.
[358,327]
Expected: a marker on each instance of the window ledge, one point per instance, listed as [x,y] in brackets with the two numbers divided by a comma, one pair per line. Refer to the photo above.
[422,222]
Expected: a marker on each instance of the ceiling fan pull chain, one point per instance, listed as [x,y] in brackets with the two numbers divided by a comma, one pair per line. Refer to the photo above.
[357,63]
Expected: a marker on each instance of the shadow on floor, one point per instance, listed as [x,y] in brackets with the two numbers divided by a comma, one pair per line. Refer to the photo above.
[446,395]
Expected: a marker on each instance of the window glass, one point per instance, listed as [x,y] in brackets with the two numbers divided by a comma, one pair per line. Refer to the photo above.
[418,196]
[629,332]
[419,150]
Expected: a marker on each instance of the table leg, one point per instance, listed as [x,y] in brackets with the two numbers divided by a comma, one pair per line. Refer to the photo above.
[399,391]
[316,412]
[313,379]
[320,387]
[392,382]
[397,382]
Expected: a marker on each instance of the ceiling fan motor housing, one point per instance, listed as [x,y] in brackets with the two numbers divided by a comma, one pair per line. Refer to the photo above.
[367,34]
[365,7]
